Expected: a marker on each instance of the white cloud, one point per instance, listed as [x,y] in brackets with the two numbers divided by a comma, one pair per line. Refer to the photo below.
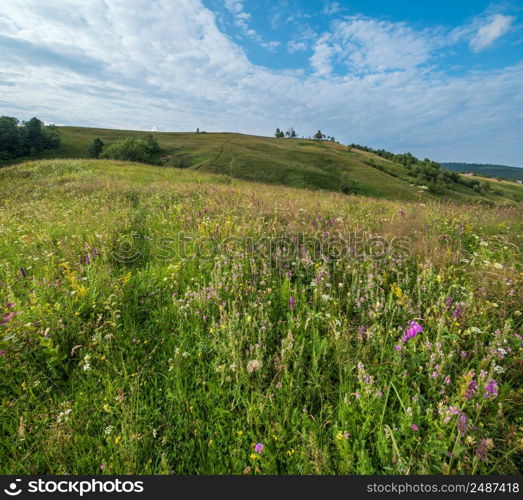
[241,18]
[367,45]
[495,28]
[272,46]
[295,46]
[331,8]
[132,64]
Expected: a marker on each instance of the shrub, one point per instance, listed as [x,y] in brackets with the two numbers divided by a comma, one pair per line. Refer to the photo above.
[138,150]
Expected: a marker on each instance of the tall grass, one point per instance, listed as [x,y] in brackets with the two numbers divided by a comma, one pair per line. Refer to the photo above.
[134,340]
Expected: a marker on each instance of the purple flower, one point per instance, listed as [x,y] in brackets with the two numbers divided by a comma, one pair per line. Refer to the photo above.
[491,389]
[363,333]
[471,389]
[457,312]
[413,329]
[2,353]
[402,213]
[398,348]
[10,305]
[463,424]
[481,450]
[449,302]
[414,427]
[292,303]
[7,317]
[258,448]
[88,259]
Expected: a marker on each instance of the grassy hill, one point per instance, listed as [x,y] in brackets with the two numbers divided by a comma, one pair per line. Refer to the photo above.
[163,321]
[294,163]
[487,170]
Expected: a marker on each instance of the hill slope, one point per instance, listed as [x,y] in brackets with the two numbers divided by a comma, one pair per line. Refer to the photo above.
[501,171]
[163,321]
[296,163]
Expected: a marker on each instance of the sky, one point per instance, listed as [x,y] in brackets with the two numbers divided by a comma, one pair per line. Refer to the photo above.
[441,79]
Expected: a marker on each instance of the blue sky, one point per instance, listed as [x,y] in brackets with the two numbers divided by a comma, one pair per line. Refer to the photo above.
[440,79]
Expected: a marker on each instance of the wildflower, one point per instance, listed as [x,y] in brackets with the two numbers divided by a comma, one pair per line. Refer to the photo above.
[102,467]
[449,302]
[414,427]
[253,456]
[2,353]
[457,312]
[7,317]
[398,348]
[463,424]
[258,448]
[413,329]
[292,303]
[253,365]
[471,389]
[346,435]
[481,450]
[10,305]
[491,389]
[363,333]
[447,380]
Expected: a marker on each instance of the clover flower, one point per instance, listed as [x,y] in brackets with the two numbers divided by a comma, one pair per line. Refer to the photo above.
[413,330]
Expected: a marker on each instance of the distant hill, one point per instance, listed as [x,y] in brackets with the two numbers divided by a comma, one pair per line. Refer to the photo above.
[299,163]
[501,171]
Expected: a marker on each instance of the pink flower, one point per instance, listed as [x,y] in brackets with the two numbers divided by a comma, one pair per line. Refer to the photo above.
[7,317]
[413,329]
[398,348]
[10,305]
[414,427]
[2,353]
[258,448]
[292,303]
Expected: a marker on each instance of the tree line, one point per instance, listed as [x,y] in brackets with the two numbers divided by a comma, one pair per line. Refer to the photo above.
[19,139]
[426,172]
[291,134]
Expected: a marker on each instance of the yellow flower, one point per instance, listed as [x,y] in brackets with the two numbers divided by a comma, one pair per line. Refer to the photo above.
[253,456]
[117,439]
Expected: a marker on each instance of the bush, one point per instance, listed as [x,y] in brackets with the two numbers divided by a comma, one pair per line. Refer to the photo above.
[144,150]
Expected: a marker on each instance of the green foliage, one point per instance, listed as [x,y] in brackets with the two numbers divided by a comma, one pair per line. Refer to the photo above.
[487,170]
[27,138]
[95,148]
[130,149]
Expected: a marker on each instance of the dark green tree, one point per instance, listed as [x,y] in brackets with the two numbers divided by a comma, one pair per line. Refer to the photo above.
[95,148]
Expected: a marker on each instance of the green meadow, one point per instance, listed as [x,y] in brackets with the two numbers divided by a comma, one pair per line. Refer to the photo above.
[158,320]
[297,163]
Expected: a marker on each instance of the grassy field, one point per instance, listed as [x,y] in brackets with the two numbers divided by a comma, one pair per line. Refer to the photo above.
[295,163]
[159,320]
